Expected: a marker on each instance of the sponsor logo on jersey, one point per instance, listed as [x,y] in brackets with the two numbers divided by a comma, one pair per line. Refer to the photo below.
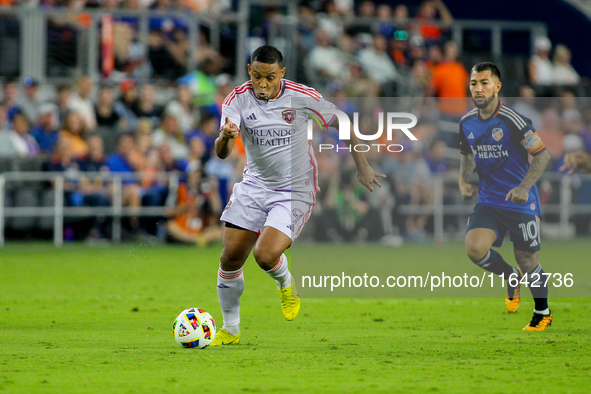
[252,117]
[497,134]
[269,137]
[532,206]
[532,142]
[471,136]
[528,134]
[289,115]
[489,152]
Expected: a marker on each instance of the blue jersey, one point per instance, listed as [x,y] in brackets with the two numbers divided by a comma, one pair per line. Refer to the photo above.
[500,145]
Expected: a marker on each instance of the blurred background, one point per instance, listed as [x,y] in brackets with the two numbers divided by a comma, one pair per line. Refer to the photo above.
[109,110]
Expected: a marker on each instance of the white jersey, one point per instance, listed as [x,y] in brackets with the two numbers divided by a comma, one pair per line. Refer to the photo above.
[279,155]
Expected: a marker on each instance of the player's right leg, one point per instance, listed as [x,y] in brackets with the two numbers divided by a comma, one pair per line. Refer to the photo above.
[237,244]
[482,234]
[478,242]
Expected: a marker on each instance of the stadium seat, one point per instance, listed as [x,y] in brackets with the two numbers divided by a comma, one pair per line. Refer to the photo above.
[514,67]
[9,53]
[25,197]
[5,164]
[29,164]
[47,199]
[8,202]
[109,136]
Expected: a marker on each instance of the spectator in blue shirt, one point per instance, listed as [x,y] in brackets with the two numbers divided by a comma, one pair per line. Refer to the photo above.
[124,160]
[46,131]
[435,158]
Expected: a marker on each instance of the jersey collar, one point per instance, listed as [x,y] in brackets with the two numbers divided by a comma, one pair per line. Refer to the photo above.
[499,106]
[281,91]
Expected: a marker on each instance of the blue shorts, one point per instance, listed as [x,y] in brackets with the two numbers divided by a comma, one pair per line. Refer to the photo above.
[523,228]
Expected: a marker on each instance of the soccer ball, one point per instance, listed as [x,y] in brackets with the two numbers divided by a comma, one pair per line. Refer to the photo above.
[194,328]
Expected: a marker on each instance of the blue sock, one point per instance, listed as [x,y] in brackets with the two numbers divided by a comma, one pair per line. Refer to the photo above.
[493,262]
[539,292]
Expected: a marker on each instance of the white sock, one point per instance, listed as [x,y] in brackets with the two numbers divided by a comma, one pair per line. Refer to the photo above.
[544,312]
[281,272]
[230,288]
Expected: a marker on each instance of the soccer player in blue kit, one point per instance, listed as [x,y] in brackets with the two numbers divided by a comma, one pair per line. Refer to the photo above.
[497,141]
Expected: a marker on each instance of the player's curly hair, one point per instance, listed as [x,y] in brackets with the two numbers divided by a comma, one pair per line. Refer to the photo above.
[487,66]
[267,54]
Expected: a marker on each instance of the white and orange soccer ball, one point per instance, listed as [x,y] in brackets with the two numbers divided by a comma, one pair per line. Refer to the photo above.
[194,328]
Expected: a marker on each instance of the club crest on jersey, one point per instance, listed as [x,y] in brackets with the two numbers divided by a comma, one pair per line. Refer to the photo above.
[289,115]
[497,134]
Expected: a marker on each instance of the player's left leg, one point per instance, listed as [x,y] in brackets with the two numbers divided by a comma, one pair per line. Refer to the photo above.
[288,212]
[537,282]
[268,253]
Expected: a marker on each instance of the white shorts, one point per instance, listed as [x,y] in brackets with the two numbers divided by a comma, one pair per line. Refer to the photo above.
[253,207]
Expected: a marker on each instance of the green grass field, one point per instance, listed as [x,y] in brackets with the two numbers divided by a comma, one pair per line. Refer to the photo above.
[82,319]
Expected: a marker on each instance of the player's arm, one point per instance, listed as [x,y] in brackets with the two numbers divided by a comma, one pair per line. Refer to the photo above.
[446,16]
[533,145]
[365,173]
[467,166]
[225,141]
[577,161]
[520,194]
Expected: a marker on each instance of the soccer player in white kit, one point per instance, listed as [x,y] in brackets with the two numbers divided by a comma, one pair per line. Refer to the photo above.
[269,208]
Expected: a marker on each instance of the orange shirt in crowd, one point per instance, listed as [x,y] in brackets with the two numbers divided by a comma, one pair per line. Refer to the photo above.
[78,146]
[450,79]
[190,220]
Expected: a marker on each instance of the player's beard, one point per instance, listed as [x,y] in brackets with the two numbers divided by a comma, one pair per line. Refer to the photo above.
[483,104]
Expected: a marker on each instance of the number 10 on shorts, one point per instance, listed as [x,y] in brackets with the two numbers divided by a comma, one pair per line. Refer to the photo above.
[530,231]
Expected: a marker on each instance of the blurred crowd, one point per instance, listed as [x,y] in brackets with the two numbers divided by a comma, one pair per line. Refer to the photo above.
[169,125]
[161,5]
[129,130]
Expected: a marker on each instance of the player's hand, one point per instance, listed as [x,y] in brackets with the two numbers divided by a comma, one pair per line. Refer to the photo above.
[367,177]
[576,161]
[467,190]
[519,195]
[229,131]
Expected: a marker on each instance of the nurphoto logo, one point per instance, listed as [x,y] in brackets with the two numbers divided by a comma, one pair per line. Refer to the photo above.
[392,124]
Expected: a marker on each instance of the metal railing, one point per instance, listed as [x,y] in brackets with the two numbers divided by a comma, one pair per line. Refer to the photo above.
[59,210]
[564,208]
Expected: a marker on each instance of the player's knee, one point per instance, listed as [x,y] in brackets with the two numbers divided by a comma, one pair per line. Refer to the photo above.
[526,261]
[231,261]
[265,258]
[476,250]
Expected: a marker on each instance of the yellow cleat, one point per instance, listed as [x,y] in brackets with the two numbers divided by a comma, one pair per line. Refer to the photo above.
[290,301]
[539,322]
[512,304]
[223,337]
